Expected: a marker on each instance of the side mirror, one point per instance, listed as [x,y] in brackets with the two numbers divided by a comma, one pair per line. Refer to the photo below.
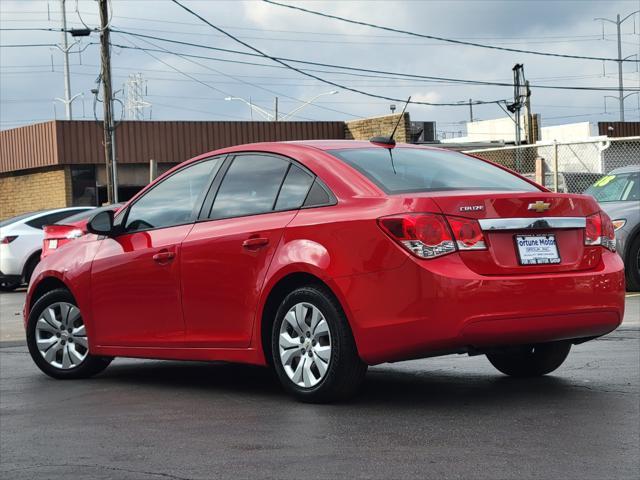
[101,223]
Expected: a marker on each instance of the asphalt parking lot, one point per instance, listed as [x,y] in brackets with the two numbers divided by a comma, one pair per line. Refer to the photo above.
[449,417]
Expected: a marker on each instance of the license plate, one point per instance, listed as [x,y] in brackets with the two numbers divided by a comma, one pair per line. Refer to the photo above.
[537,249]
[53,244]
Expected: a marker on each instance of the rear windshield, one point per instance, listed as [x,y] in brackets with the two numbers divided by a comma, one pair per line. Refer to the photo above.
[85,215]
[403,170]
[17,218]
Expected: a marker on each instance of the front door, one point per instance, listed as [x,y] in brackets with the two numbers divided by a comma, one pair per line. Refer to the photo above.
[135,276]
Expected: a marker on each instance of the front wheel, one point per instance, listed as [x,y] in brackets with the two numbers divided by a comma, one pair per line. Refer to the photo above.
[314,353]
[530,360]
[57,338]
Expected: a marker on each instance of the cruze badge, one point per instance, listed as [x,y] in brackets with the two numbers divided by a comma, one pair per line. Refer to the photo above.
[539,206]
[472,208]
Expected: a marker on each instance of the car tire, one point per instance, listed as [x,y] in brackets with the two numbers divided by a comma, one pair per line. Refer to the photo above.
[313,350]
[632,265]
[57,340]
[31,265]
[530,360]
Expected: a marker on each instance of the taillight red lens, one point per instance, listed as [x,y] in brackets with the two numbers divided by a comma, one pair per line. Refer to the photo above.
[426,235]
[467,233]
[600,231]
[8,239]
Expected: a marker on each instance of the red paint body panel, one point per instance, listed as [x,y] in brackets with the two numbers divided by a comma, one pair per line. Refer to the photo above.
[207,302]
[136,299]
[222,280]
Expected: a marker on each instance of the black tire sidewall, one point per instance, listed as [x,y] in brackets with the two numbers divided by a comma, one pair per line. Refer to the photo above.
[630,265]
[337,325]
[90,365]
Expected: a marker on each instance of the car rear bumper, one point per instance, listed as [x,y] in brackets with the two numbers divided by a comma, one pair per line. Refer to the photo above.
[426,307]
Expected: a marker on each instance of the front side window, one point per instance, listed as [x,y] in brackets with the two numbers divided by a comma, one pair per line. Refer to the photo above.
[403,170]
[173,201]
[250,186]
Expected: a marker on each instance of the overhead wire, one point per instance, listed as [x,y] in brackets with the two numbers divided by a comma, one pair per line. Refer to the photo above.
[442,39]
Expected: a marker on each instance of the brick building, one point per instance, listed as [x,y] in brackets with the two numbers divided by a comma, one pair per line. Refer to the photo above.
[61,163]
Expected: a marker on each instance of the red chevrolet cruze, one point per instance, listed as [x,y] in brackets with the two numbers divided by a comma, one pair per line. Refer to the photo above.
[319,258]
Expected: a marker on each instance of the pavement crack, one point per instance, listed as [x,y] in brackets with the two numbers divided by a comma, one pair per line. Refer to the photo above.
[104,467]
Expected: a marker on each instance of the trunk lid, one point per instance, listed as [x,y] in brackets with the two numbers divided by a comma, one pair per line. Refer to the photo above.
[507,218]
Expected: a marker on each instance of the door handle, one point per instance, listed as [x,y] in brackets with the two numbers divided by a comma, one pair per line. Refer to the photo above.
[162,257]
[255,243]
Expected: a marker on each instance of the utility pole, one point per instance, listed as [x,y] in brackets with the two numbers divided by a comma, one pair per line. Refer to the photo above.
[275,110]
[470,111]
[516,106]
[528,117]
[65,51]
[618,23]
[107,123]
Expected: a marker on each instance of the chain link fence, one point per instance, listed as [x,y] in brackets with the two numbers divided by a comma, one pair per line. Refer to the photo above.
[568,166]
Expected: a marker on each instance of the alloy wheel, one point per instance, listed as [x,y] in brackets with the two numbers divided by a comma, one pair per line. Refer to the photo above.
[61,337]
[305,345]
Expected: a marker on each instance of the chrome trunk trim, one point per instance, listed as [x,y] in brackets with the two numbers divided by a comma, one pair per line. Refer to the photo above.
[541,223]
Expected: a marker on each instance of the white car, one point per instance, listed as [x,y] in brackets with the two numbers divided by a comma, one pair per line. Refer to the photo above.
[21,243]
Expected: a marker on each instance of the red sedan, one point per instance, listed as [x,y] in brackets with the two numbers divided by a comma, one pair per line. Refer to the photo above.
[68,229]
[320,258]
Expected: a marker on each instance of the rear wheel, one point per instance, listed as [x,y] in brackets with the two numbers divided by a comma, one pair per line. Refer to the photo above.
[530,360]
[314,353]
[57,338]
[632,265]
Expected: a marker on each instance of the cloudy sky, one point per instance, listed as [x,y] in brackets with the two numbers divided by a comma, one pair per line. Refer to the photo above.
[187,88]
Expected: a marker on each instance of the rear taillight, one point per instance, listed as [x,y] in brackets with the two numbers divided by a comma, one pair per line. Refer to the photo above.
[467,233]
[426,235]
[600,231]
[8,239]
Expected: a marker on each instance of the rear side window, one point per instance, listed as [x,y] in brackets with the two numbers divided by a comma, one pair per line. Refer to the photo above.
[294,189]
[404,170]
[52,218]
[250,186]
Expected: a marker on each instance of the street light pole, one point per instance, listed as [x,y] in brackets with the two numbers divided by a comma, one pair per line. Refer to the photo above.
[65,51]
[618,23]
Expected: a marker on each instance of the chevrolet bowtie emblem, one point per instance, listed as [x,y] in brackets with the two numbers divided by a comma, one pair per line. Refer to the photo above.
[539,206]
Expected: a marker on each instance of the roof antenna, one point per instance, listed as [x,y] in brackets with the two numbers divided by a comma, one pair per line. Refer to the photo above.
[389,141]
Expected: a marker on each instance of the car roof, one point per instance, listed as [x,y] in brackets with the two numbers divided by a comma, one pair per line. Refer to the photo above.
[627,169]
[26,217]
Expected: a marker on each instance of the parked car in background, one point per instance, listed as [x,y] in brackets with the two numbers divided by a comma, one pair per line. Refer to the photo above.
[70,228]
[568,182]
[21,243]
[320,258]
[619,195]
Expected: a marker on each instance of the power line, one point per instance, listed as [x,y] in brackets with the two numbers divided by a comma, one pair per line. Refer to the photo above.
[442,39]
[255,85]
[281,61]
[24,45]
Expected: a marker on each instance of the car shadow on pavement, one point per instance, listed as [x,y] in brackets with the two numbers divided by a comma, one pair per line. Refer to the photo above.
[382,385]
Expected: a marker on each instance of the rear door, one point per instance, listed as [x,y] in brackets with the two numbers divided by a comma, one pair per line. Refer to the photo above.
[136,276]
[226,255]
